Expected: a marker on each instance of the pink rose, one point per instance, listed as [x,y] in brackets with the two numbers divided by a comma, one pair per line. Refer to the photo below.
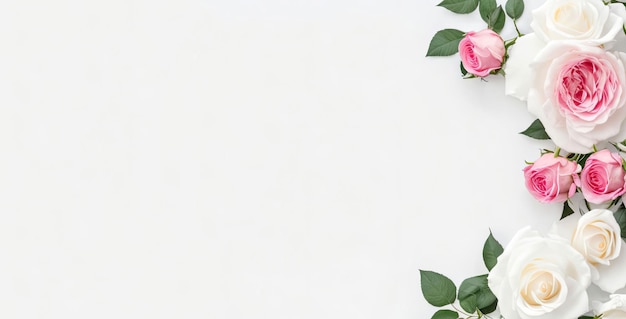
[578,93]
[602,178]
[482,52]
[551,179]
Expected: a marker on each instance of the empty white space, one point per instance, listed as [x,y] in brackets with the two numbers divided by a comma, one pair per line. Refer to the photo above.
[246,159]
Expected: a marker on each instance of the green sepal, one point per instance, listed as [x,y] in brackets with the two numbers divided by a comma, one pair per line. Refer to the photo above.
[463,70]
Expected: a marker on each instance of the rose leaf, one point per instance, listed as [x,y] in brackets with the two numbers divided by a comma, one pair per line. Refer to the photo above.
[514,8]
[445,314]
[567,210]
[474,293]
[445,42]
[491,250]
[497,20]
[459,6]
[438,290]
[486,7]
[536,131]
[491,308]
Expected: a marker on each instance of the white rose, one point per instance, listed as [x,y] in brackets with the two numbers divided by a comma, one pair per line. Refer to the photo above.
[612,309]
[597,236]
[618,9]
[578,92]
[517,68]
[540,277]
[587,20]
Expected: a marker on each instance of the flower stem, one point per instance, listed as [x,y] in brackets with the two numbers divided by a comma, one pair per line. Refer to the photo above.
[459,310]
[557,152]
[519,34]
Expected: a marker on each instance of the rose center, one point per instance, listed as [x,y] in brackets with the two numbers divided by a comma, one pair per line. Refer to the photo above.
[598,180]
[540,286]
[573,18]
[587,89]
[596,242]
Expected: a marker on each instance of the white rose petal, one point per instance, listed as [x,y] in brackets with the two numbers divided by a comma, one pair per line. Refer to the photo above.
[612,309]
[619,44]
[540,277]
[517,67]
[597,236]
[572,133]
[590,21]
[618,9]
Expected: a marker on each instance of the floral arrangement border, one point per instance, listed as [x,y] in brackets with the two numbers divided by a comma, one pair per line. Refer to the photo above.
[574,81]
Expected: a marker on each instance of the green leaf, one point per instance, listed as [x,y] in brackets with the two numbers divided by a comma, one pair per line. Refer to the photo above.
[567,210]
[620,217]
[474,293]
[437,289]
[491,308]
[469,304]
[486,8]
[491,250]
[514,8]
[536,131]
[586,317]
[445,314]
[496,20]
[459,6]
[445,42]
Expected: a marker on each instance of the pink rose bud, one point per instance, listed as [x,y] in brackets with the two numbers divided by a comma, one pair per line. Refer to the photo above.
[552,179]
[602,178]
[482,52]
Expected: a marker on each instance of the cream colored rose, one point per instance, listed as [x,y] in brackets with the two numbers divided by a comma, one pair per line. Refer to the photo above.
[597,236]
[540,277]
[587,20]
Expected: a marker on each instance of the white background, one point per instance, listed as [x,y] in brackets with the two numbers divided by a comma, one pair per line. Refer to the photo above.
[246,159]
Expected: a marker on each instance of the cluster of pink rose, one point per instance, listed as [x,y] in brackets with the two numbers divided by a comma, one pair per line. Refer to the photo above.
[570,70]
[554,178]
[573,84]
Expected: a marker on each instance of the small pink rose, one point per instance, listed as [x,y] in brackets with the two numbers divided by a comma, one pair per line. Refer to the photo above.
[603,178]
[552,179]
[482,52]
